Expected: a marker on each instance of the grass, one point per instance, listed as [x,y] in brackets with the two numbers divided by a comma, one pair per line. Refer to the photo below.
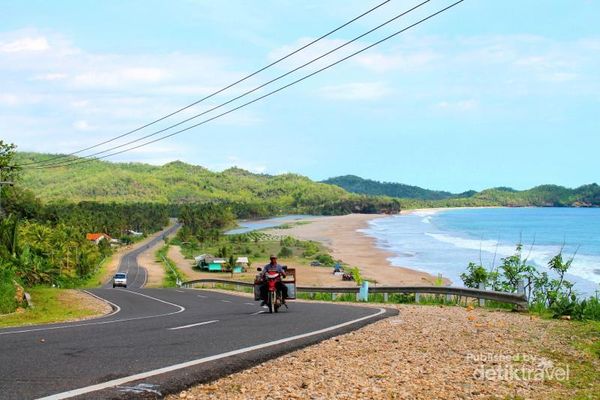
[99,277]
[257,246]
[172,273]
[50,305]
[7,297]
[584,371]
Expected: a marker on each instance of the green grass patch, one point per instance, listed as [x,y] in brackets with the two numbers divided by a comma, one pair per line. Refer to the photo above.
[99,276]
[8,303]
[172,273]
[50,305]
[584,371]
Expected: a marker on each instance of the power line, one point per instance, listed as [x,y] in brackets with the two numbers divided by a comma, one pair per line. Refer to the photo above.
[81,161]
[67,162]
[214,93]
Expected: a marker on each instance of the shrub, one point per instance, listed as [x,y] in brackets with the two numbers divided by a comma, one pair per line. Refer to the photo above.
[325,259]
[8,303]
[285,252]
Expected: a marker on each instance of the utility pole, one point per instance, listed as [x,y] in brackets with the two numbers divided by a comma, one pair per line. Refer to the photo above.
[1,184]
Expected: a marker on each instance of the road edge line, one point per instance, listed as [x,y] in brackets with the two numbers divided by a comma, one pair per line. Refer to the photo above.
[175,367]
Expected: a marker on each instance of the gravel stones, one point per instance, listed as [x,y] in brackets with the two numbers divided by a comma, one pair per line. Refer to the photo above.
[427,352]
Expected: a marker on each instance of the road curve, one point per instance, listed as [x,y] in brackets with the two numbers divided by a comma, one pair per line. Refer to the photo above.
[137,276]
[158,341]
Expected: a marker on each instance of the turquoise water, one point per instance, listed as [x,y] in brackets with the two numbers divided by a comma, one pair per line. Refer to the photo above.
[446,241]
[253,225]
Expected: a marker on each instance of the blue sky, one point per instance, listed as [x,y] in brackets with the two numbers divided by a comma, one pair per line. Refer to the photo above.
[491,93]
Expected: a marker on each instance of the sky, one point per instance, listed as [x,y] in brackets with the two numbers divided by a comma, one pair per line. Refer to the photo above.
[489,93]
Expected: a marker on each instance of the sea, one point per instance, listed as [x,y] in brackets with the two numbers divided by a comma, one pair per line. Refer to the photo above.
[445,241]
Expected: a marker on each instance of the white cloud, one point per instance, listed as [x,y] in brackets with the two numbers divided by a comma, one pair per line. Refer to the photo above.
[235,161]
[82,125]
[356,91]
[52,76]
[8,99]
[26,44]
[559,76]
[119,77]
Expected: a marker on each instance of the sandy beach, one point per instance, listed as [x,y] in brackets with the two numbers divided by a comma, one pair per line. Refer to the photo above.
[340,235]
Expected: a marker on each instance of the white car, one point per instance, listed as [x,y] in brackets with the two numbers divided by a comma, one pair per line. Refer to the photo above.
[120,279]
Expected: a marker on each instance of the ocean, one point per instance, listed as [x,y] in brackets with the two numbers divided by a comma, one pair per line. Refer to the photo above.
[445,241]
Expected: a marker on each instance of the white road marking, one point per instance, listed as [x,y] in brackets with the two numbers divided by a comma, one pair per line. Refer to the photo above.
[226,301]
[145,275]
[171,368]
[202,297]
[52,328]
[258,312]
[180,291]
[250,304]
[192,325]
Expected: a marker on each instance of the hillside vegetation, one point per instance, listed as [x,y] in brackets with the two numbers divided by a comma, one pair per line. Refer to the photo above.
[179,183]
[540,196]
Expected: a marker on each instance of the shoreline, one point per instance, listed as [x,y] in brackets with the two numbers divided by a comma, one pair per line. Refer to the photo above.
[344,238]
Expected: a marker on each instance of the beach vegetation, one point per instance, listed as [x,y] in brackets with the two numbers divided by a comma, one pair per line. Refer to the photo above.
[547,292]
[285,252]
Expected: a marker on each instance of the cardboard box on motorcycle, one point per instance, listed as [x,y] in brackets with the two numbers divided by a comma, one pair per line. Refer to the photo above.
[289,281]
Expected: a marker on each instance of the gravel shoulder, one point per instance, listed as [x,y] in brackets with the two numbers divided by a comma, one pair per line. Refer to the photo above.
[427,352]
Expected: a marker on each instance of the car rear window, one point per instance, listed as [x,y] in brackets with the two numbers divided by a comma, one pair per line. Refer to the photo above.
[120,276]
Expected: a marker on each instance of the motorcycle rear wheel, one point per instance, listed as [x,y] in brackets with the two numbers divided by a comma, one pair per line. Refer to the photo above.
[271,302]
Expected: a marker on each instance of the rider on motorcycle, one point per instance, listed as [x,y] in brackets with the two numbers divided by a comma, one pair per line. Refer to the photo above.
[272,266]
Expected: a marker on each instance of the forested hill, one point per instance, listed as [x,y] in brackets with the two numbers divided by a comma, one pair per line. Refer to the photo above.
[355,184]
[178,182]
[541,196]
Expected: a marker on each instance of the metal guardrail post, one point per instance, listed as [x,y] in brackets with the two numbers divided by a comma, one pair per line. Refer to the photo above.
[177,280]
[385,297]
[481,301]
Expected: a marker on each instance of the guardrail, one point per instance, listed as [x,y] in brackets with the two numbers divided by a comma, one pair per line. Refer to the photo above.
[510,298]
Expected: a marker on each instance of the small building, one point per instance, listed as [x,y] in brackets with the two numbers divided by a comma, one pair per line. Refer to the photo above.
[203,260]
[98,237]
[216,265]
[134,233]
[242,262]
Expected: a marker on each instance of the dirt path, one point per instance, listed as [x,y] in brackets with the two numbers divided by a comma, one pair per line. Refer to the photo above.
[154,267]
[305,275]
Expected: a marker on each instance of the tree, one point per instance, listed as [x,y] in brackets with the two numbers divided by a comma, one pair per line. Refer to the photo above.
[475,275]
[8,169]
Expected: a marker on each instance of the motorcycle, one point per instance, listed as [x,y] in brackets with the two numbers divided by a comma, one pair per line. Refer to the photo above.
[274,299]
[274,295]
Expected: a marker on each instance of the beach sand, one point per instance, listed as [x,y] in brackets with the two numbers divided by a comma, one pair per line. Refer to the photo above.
[340,235]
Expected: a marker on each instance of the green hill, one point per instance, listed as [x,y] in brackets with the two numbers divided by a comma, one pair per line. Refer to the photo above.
[178,182]
[540,196]
[357,184]
[261,194]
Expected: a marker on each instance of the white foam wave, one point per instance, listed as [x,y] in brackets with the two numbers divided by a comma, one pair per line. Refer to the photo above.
[425,213]
[584,266]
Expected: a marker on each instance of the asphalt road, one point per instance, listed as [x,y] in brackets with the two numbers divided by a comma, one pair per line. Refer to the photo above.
[136,274]
[158,341]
